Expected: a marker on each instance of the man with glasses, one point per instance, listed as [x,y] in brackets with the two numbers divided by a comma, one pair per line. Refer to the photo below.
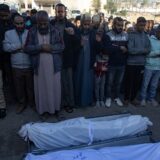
[13,43]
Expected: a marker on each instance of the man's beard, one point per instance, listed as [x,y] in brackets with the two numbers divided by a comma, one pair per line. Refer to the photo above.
[86,31]
[43,31]
[118,31]
[20,30]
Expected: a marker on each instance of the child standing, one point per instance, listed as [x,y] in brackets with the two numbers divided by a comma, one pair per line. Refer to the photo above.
[100,78]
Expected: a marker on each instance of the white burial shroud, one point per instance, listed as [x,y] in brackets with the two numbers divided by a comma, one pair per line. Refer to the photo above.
[74,132]
[135,152]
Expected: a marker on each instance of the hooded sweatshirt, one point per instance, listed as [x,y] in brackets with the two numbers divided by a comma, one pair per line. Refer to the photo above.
[153,62]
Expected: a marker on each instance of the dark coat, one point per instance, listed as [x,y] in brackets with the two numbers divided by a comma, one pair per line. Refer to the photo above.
[70,53]
[3,28]
[34,49]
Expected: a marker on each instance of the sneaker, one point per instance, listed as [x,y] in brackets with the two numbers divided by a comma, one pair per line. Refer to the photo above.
[108,102]
[102,104]
[143,103]
[153,102]
[98,104]
[20,108]
[59,116]
[118,102]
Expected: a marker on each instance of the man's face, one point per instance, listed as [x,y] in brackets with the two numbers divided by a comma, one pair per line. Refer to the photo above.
[43,26]
[60,12]
[95,24]
[4,16]
[19,23]
[141,26]
[119,26]
[86,25]
[78,23]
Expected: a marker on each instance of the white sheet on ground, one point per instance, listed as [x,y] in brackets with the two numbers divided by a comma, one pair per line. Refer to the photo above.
[79,131]
[136,152]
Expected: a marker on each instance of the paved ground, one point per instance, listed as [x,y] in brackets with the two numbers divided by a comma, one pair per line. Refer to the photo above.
[12,147]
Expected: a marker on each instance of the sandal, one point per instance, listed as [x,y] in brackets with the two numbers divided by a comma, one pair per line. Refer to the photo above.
[68,109]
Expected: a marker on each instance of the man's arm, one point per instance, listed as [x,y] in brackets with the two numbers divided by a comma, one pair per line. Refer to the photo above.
[8,45]
[30,46]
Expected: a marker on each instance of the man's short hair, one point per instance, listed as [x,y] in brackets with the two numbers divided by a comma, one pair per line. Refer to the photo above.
[78,18]
[96,18]
[110,18]
[33,11]
[61,5]
[4,8]
[117,19]
[141,20]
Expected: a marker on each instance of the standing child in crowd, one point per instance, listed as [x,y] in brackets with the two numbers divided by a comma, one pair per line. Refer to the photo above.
[152,71]
[100,74]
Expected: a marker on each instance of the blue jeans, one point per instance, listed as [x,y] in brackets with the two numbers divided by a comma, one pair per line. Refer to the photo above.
[114,80]
[150,84]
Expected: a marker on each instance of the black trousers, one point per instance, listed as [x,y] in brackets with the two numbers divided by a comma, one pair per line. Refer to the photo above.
[132,81]
[23,81]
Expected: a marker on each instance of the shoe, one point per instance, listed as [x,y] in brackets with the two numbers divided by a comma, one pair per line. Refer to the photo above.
[143,103]
[59,116]
[98,104]
[108,102]
[68,109]
[135,102]
[43,117]
[2,113]
[118,102]
[102,104]
[20,108]
[153,103]
[126,102]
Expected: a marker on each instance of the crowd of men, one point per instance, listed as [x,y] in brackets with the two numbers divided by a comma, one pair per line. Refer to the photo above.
[50,64]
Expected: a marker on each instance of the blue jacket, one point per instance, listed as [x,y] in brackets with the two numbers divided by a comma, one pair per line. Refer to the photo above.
[34,49]
[153,58]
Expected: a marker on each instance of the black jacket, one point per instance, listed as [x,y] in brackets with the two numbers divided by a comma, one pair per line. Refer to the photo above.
[71,46]
[3,29]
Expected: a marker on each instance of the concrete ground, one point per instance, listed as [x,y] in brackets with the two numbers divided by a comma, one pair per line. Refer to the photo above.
[12,147]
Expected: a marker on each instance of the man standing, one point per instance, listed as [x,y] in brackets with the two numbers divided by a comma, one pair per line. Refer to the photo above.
[117,47]
[45,46]
[152,72]
[67,30]
[14,42]
[4,26]
[138,48]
